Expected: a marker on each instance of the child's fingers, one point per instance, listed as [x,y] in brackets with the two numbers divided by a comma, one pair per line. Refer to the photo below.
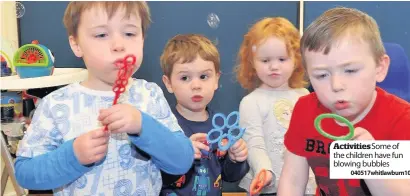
[241,159]
[197,151]
[200,145]
[98,133]
[238,145]
[240,149]
[198,137]
[112,118]
[107,112]
[116,126]
[269,178]
[103,114]
[98,157]
[197,156]
[235,146]
[359,132]
[241,156]
[242,146]
[255,186]
[100,141]
[100,149]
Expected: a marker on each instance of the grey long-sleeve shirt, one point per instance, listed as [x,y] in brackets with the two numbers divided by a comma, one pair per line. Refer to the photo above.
[266,114]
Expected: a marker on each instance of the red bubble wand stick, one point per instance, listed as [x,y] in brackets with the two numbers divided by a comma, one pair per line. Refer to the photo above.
[126,66]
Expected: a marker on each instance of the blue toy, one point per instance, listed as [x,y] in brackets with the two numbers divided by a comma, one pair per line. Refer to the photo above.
[232,138]
[203,182]
[33,60]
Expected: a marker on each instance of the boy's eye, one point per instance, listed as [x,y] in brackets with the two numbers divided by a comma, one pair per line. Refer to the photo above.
[184,78]
[101,35]
[351,70]
[265,60]
[204,77]
[130,34]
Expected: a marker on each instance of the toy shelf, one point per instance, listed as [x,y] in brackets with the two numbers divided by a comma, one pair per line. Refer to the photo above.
[61,76]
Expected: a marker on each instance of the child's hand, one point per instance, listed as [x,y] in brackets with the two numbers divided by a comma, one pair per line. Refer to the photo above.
[121,118]
[362,134]
[268,179]
[239,151]
[92,146]
[197,140]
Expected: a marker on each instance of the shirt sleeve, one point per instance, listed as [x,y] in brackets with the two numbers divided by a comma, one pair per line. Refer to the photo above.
[294,140]
[251,120]
[159,131]
[44,161]
[233,171]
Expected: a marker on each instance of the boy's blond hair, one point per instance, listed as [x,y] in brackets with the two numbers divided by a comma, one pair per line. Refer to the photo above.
[265,28]
[337,23]
[185,48]
[74,10]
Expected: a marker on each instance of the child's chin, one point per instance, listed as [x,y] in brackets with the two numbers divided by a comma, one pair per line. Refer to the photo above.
[198,109]
[109,82]
[346,113]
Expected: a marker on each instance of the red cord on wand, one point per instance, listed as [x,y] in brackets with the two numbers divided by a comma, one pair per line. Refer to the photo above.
[126,66]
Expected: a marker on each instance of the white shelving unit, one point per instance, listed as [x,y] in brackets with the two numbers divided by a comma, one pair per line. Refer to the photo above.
[61,76]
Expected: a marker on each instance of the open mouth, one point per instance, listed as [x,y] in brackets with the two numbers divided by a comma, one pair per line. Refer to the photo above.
[197,98]
[341,105]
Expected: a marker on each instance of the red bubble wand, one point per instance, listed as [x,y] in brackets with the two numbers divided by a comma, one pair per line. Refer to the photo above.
[256,186]
[126,66]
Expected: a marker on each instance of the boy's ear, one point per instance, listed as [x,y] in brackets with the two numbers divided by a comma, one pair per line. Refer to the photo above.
[75,47]
[218,75]
[382,68]
[167,83]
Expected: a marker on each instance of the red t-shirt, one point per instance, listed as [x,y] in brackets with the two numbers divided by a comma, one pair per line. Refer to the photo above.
[388,119]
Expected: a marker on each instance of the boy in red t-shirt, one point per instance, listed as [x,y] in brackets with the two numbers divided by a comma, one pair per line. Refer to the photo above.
[344,57]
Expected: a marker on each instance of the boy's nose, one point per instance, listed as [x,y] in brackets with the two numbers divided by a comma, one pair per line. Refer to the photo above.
[118,44]
[195,84]
[118,47]
[337,83]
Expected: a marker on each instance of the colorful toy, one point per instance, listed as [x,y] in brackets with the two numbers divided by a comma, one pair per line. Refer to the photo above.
[232,138]
[338,118]
[5,65]
[126,66]
[33,60]
[7,50]
[257,185]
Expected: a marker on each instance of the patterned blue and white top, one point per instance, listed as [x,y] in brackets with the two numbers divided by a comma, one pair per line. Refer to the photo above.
[46,159]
